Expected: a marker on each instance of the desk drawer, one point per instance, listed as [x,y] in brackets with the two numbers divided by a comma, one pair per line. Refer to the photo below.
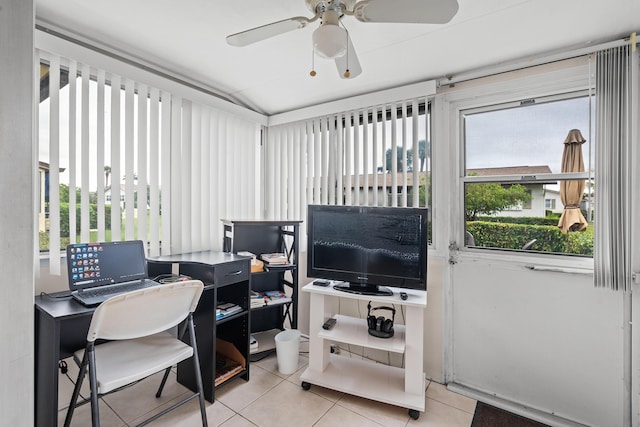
[230,272]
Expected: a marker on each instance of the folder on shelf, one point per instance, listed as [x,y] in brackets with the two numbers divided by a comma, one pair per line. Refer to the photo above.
[229,361]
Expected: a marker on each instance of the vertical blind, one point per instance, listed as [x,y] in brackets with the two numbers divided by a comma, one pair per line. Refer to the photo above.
[139,163]
[356,157]
[616,104]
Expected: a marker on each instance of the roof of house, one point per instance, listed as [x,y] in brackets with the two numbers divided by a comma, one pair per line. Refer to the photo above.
[510,170]
[44,166]
[386,179]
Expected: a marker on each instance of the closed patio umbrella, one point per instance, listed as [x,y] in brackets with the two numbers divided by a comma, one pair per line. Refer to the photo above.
[571,191]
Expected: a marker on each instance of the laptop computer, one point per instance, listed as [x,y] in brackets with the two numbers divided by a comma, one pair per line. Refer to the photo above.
[98,271]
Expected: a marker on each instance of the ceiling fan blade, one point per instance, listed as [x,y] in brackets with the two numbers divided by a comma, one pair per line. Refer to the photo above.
[257,34]
[406,11]
[349,61]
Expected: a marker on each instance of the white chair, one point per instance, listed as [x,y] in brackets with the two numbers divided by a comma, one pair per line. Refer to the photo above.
[136,324]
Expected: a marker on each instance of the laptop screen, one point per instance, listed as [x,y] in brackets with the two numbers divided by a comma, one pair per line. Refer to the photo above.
[98,264]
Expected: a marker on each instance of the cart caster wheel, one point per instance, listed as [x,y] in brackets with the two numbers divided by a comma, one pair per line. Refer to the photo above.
[306,385]
[414,414]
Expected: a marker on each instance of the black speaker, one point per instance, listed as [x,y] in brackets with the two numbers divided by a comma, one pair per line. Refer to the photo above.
[380,326]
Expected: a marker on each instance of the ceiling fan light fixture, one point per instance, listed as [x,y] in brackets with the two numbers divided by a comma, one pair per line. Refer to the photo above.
[330,41]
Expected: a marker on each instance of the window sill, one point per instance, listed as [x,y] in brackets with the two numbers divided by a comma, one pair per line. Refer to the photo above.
[530,261]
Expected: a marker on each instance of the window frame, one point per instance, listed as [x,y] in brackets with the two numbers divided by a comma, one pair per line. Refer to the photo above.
[517,102]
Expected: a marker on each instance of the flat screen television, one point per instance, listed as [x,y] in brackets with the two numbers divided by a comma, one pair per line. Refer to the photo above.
[368,248]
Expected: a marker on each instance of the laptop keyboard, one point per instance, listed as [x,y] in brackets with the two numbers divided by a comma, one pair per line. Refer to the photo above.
[116,290]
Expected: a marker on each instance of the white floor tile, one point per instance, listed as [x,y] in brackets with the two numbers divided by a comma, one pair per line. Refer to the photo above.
[287,405]
[269,399]
[440,393]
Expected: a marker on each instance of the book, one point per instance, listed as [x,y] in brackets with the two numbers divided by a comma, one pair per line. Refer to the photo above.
[257,299]
[276,297]
[247,253]
[226,309]
[275,258]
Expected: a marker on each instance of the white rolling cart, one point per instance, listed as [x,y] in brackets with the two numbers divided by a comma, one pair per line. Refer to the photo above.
[403,387]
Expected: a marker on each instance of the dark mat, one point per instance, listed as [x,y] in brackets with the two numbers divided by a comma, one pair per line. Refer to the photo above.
[490,416]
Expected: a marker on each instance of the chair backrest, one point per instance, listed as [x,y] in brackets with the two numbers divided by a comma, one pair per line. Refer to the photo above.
[145,311]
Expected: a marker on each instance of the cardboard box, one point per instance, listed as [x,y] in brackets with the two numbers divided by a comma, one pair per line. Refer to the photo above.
[234,361]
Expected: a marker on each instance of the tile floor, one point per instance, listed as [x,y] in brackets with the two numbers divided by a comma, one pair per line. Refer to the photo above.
[269,399]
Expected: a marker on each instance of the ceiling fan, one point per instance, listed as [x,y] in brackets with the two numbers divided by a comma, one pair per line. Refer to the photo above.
[331,40]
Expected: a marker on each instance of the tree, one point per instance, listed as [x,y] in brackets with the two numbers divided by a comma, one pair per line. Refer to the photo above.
[107,172]
[408,162]
[424,191]
[422,153]
[490,198]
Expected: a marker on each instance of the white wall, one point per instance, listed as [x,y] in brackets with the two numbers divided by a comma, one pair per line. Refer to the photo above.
[17,211]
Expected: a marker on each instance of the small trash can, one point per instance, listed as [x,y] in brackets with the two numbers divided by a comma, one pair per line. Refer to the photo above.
[287,348]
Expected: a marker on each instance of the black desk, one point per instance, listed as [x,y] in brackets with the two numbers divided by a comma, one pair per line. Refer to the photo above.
[61,328]
[61,325]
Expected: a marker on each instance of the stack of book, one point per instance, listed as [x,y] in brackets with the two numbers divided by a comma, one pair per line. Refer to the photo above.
[257,299]
[276,297]
[275,259]
[226,309]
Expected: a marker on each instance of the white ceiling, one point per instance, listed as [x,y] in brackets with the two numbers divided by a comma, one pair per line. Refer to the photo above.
[187,37]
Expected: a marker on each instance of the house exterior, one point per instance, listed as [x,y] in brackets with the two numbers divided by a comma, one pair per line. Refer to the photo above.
[43,192]
[383,191]
[537,205]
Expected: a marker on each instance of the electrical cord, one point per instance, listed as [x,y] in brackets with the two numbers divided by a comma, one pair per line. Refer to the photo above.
[171,278]
[64,368]
[58,296]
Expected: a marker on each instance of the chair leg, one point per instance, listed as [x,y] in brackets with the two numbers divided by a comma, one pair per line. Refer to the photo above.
[93,382]
[76,390]
[196,367]
[164,381]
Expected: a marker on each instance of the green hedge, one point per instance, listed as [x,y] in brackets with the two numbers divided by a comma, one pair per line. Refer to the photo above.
[515,236]
[530,220]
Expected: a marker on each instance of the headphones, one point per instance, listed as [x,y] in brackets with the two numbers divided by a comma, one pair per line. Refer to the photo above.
[379,326]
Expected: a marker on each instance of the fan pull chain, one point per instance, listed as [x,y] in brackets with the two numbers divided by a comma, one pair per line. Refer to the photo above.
[347,73]
[312,73]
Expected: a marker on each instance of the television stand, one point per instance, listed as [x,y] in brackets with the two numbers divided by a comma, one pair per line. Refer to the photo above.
[403,387]
[364,290]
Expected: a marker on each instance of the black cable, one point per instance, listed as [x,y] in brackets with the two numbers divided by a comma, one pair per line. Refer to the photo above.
[58,296]
[64,368]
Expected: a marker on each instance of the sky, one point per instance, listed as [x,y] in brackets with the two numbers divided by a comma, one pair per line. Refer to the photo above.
[532,135]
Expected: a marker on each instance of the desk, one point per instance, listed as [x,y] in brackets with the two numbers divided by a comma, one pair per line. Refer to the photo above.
[60,329]
[61,325]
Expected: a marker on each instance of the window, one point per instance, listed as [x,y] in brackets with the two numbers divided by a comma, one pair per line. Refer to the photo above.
[514,173]
[104,138]
[380,176]
[550,204]
[76,135]
[375,156]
